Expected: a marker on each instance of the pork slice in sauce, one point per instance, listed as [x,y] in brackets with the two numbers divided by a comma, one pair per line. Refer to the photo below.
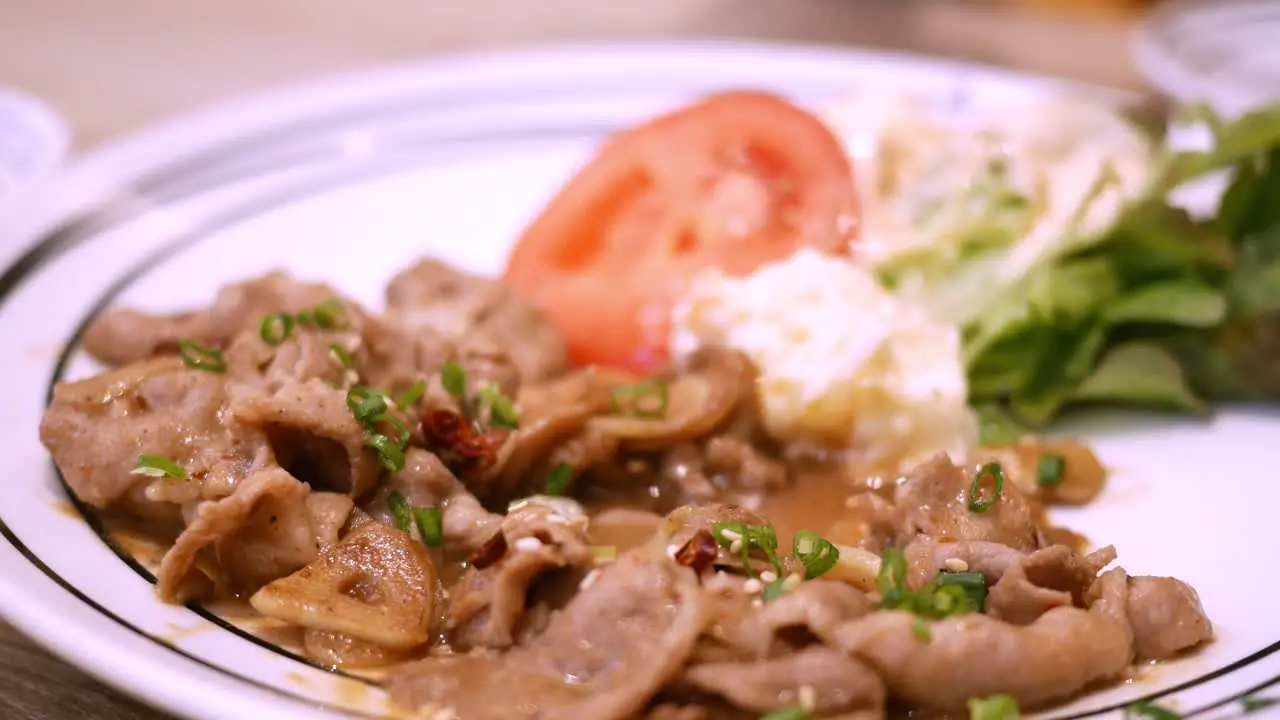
[426,482]
[935,500]
[314,435]
[260,532]
[119,336]
[1051,577]
[473,311]
[604,656]
[96,429]
[827,679]
[819,607]
[1166,616]
[253,366]
[488,603]
[329,514]
[967,656]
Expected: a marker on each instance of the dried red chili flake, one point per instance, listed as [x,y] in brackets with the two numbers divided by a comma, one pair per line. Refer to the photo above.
[699,552]
[490,552]
[457,442]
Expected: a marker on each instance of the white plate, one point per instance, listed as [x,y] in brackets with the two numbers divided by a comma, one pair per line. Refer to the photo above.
[348,180]
[1224,52]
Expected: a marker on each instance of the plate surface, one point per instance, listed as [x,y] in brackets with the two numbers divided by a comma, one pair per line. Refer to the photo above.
[348,180]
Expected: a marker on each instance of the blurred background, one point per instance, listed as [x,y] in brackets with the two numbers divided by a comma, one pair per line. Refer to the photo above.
[110,66]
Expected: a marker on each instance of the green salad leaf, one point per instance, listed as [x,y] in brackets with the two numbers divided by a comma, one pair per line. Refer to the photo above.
[1159,309]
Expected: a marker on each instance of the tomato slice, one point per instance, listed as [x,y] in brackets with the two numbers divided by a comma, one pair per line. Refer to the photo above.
[734,181]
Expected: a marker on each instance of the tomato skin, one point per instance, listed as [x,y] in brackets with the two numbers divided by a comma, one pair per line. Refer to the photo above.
[733,181]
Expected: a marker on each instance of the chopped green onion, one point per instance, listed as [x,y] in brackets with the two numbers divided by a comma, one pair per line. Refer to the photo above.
[994,707]
[454,379]
[997,474]
[366,403]
[276,328]
[402,432]
[342,355]
[644,400]
[892,579]
[1254,704]
[198,357]
[390,452]
[399,510]
[604,553]
[816,553]
[775,590]
[559,479]
[410,397]
[430,523]
[1148,709]
[502,412]
[329,315]
[944,601]
[748,537]
[973,584]
[791,712]
[920,629]
[1050,470]
[157,466]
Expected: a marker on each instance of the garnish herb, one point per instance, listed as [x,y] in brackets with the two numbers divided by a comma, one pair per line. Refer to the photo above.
[790,712]
[369,406]
[1254,704]
[558,480]
[430,523]
[330,315]
[816,553]
[342,355]
[502,412]
[975,490]
[366,403]
[198,357]
[643,400]
[743,538]
[390,454]
[973,584]
[454,379]
[994,707]
[1050,470]
[411,396]
[774,590]
[1150,710]
[276,328]
[948,594]
[920,629]
[400,510]
[157,466]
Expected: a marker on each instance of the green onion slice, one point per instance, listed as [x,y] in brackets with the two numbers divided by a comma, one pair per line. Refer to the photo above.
[790,712]
[410,397]
[975,490]
[390,453]
[401,437]
[199,357]
[430,523]
[454,379]
[330,315]
[558,480]
[276,328]
[892,580]
[749,537]
[366,403]
[774,590]
[973,584]
[1148,709]
[816,553]
[1253,704]
[643,400]
[399,510]
[502,412]
[920,629]
[157,466]
[342,355]
[1050,470]
[994,707]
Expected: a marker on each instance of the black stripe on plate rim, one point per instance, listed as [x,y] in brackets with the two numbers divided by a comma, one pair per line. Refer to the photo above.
[91,222]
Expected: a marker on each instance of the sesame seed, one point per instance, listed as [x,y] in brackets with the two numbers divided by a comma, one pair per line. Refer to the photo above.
[735,547]
[807,697]
[757,603]
[589,580]
[730,535]
[768,576]
[752,586]
[956,565]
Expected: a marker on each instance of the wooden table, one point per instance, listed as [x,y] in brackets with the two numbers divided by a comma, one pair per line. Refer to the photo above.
[112,66]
